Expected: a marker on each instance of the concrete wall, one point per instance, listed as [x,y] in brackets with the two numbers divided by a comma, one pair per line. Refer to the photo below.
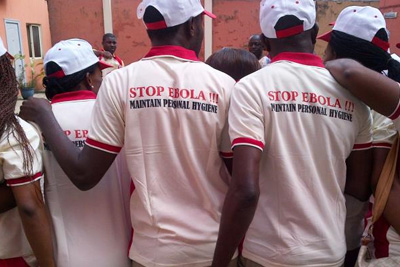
[26,12]
[392,24]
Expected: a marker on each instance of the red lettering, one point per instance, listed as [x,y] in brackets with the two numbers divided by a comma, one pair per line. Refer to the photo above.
[151,91]
[67,133]
[160,89]
[78,134]
[85,133]
[132,93]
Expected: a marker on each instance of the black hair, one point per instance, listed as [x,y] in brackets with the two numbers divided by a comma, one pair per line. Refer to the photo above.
[152,15]
[108,35]
[55,86]
[237,63]
[368,54]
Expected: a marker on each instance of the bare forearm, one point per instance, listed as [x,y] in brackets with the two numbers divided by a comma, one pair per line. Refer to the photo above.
[374,89]
[7,200]
[38,231]
[238,212]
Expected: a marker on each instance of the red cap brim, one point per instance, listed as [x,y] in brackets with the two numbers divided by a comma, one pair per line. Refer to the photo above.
[103,65]
[398,45]
[325,37]
[211,15]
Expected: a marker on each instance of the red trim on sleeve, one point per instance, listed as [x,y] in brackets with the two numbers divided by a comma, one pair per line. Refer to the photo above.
[23,180]
[396,112]
[102,146]
[382,145]
[226,154]
[290,31]
[247,141]
[362,146]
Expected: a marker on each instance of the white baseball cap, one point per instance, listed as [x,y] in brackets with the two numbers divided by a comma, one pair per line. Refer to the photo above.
[174,12]
[361,22]
[3,49]
[72,56]
[273,10]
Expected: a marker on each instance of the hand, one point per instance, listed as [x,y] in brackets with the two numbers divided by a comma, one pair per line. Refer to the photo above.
[107,55]
[35,109]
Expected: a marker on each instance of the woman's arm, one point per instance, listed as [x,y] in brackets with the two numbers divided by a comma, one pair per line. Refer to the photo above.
[35,221]
[374,89]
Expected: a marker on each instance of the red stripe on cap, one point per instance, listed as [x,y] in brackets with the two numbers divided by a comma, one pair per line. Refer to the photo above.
[23,180]
[290,31]
[102,146]
[156,25]
[380,43]
[325,37]
[59,74]
[247,141]
[362,146]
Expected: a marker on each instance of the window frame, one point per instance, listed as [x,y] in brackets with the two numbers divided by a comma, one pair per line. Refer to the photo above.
[31,40]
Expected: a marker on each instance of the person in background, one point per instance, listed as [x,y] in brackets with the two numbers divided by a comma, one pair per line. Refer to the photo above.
[26,227]
[91,228]
[107,54]
[256,47]
[288,198]
[360,33]
[169,113]
[235,62]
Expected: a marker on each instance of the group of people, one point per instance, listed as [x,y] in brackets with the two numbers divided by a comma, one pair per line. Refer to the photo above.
[170,161]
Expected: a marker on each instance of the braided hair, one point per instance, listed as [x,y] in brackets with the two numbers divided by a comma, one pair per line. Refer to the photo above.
[368,54]
[9,124]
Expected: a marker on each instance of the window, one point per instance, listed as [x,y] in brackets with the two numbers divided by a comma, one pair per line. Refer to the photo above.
[35,40]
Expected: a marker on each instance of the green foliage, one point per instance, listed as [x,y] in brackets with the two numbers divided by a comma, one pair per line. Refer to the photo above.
[32,81]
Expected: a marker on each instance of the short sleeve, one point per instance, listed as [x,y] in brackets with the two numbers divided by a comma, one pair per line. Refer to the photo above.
[12,160]
[364,138]
[107,125]
[246,117]
[225,147]
[383,131]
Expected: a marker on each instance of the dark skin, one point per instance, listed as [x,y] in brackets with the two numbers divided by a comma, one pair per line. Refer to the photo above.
[382,94]
[256,46]
[109,45]
[7,200]
[243,194]
[86,168]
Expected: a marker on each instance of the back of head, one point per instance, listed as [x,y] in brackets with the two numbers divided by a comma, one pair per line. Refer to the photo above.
[360,33]
[66,65]
[164,18]
[237,63]
[286,21]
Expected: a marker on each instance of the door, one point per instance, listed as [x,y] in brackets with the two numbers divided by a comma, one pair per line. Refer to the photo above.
[14,46]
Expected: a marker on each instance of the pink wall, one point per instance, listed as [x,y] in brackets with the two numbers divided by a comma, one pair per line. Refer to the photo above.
[392,24]
[26,11]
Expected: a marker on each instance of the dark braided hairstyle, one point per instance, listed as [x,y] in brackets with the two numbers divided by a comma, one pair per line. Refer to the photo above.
[9,124]
[368,54]
[55,86]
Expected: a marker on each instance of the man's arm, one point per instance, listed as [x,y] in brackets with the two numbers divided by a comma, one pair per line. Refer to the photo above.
[104,54]
[374,89]
[358,176]
[84,168]
[35,221]
[240,203]
[7,200]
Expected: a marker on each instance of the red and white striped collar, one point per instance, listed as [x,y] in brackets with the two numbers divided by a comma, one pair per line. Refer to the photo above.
[73,96]
[301,58]
[172,50]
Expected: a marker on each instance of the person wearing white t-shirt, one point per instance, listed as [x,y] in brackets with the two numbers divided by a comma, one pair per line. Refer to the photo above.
[169,112]
[300,142]
[25,231]
[91,228]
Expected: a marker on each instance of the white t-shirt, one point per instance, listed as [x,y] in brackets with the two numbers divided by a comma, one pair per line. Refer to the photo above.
[91,228]
[309,125]
[13,242]
[169,111]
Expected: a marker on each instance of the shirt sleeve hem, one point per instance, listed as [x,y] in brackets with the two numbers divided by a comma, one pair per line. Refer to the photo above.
[24,180]
[103,147]
[359,147]
[226,155]
[381,145]
[248,142]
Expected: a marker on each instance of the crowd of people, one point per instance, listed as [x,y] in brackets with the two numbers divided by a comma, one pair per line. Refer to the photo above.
[242,160]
